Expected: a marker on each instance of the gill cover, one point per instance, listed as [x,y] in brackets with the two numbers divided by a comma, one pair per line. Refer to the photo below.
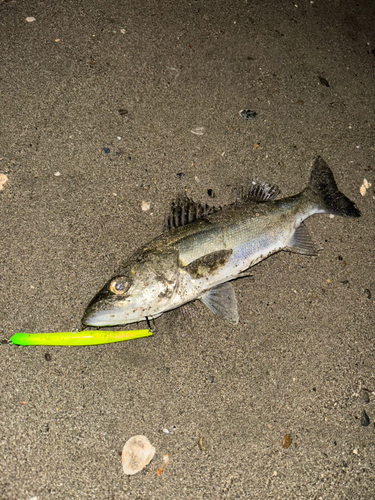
[143,288]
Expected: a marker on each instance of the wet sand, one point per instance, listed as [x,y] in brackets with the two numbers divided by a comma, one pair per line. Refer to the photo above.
[99,102]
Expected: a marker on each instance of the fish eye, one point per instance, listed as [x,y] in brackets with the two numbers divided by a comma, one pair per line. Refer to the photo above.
[119,286]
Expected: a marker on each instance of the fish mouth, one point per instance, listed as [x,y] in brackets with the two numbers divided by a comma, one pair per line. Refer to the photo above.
[104,312]
[103,318]
[112,316]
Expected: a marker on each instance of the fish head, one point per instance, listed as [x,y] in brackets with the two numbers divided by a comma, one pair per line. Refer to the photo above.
[144,288]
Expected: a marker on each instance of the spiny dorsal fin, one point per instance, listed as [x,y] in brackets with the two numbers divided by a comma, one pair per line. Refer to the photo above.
[184,211]
[258,191]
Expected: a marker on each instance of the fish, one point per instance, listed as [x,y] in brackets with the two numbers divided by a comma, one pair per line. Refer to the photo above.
[204,249]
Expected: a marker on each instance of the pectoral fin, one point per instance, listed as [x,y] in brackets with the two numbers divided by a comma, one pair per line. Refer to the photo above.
[222,300]
[301,242]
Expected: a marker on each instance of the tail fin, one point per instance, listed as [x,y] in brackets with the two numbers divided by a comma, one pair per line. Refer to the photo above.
[323,190]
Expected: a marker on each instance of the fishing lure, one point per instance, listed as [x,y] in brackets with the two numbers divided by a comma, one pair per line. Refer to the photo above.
[88,337]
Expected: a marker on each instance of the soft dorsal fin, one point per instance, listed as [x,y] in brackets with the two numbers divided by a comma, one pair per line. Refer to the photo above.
[184,211]
[258,191]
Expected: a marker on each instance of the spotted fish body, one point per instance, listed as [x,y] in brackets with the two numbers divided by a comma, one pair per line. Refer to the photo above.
[204,249]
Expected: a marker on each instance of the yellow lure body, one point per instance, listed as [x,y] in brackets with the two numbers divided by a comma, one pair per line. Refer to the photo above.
[87,337]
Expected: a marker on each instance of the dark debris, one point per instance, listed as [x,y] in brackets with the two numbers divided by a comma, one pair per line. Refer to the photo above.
[247,114]
[365,421]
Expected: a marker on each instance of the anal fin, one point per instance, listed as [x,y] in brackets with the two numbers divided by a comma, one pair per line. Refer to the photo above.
[222,300]
[301,242]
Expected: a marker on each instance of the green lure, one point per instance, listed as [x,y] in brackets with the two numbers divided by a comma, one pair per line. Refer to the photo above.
[87,337]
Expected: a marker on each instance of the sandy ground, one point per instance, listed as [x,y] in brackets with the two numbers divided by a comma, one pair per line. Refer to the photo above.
[98,103]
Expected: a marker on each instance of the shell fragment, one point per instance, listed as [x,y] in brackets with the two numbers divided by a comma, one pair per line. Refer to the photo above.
[3,180]
[137,453]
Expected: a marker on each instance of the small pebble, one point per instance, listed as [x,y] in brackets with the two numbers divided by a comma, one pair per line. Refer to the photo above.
[57,174]
[323,81]
[365,397]
[146,205]
[123,112]
[106,151]
[365,421]
[30,19]
[247,114]
[367,293]
[160,470]
[287,441]
[166,431]
[210,193]
[180,175]
[47,356]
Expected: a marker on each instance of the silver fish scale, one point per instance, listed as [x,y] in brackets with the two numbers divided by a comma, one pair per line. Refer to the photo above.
[254,231]
[264,232]
[194,246]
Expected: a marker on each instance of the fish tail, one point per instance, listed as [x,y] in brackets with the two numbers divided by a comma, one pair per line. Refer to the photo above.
[322,189]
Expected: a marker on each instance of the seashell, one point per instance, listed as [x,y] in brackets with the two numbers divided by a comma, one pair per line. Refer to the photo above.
[3,180]
[197,131]
[166,462]
[365,186]
[137,453]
